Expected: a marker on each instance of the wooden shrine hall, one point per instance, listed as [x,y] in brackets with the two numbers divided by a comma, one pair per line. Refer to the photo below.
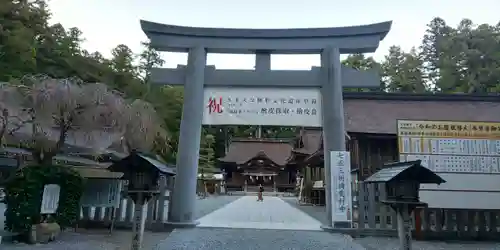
[371,125]
[273,163]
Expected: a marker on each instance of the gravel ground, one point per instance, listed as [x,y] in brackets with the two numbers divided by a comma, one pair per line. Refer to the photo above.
[377,243]
[208,205]
[253,239]
[317,212]
[384,243]
[240,239]
[119,240]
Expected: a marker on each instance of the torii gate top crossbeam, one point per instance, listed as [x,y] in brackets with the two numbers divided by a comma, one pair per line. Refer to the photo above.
[354,39]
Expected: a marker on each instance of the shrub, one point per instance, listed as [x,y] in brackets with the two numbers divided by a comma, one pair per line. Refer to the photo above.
[24,196]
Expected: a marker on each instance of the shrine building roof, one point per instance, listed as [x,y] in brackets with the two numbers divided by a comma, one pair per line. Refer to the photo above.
[242,150]
[377,113]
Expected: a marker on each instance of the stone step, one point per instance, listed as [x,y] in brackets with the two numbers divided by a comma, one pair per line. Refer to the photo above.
[276,194]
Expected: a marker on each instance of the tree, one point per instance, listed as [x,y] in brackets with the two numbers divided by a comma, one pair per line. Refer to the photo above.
[148,59]
[206,163]
[29,46]
[21,23]
[465,59]
[478,62]
[360,62]
[11,118]
[437,54]
[143,127]
[123,59]
[67,111]
[403,72]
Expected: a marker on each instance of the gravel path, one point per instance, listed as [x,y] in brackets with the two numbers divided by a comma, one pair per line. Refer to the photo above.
[208,205]
[240,239]
[378,243]
[120,240]
[272,213]
[317,212]
[384,243]
[255,239]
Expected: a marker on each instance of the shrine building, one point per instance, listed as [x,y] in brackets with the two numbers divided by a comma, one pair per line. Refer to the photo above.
[269,162]
[371,125]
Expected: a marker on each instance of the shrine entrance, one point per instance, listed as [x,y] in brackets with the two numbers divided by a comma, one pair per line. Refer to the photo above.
[253,180]
[303,98]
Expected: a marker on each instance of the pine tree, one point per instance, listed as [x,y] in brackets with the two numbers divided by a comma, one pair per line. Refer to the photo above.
[206,162]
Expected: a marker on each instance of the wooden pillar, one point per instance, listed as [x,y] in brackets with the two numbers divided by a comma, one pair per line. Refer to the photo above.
[274,182]
[138,225]
[418,223]
[160,218]
[404,230]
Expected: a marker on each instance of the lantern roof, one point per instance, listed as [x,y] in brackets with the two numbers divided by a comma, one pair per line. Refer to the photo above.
[139,162]
[405,171]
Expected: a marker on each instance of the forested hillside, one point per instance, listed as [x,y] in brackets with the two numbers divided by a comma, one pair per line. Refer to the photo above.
[450,59]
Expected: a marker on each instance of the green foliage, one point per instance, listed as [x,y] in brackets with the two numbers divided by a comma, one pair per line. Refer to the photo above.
[449,59]
[207,154]
[24,196]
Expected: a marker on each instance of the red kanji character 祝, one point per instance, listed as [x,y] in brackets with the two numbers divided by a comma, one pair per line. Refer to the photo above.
[214,105]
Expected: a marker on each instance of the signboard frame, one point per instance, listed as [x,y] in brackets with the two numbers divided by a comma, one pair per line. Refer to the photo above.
[271,106]
[455,154]
[108,193]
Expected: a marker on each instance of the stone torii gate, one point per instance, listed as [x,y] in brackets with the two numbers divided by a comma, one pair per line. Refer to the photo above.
[329,78]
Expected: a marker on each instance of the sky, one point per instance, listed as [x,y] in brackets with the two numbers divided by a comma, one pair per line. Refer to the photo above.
[107,23]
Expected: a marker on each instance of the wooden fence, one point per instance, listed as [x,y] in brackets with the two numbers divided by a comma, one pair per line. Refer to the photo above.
[372,218]
[123,216]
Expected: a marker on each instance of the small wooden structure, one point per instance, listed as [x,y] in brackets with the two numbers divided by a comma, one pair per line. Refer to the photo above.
[211,182]
[401,182]
[143,175]
[102,189]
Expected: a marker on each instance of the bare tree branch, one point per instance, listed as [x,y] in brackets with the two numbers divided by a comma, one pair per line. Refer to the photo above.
[55,112]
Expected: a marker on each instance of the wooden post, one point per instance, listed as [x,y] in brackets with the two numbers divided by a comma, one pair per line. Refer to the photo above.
[160,218]
[138,227]
[113,218]
[274,183]
[404,231]
[418,223]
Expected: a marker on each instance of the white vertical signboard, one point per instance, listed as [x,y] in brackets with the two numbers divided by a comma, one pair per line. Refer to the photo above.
[50,199]
[341,186]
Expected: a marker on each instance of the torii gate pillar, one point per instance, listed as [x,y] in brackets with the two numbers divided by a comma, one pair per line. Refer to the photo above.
[330,78]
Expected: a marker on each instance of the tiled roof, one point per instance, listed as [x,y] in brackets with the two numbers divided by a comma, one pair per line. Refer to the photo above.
[242,150]
[380,116]
[375,113]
